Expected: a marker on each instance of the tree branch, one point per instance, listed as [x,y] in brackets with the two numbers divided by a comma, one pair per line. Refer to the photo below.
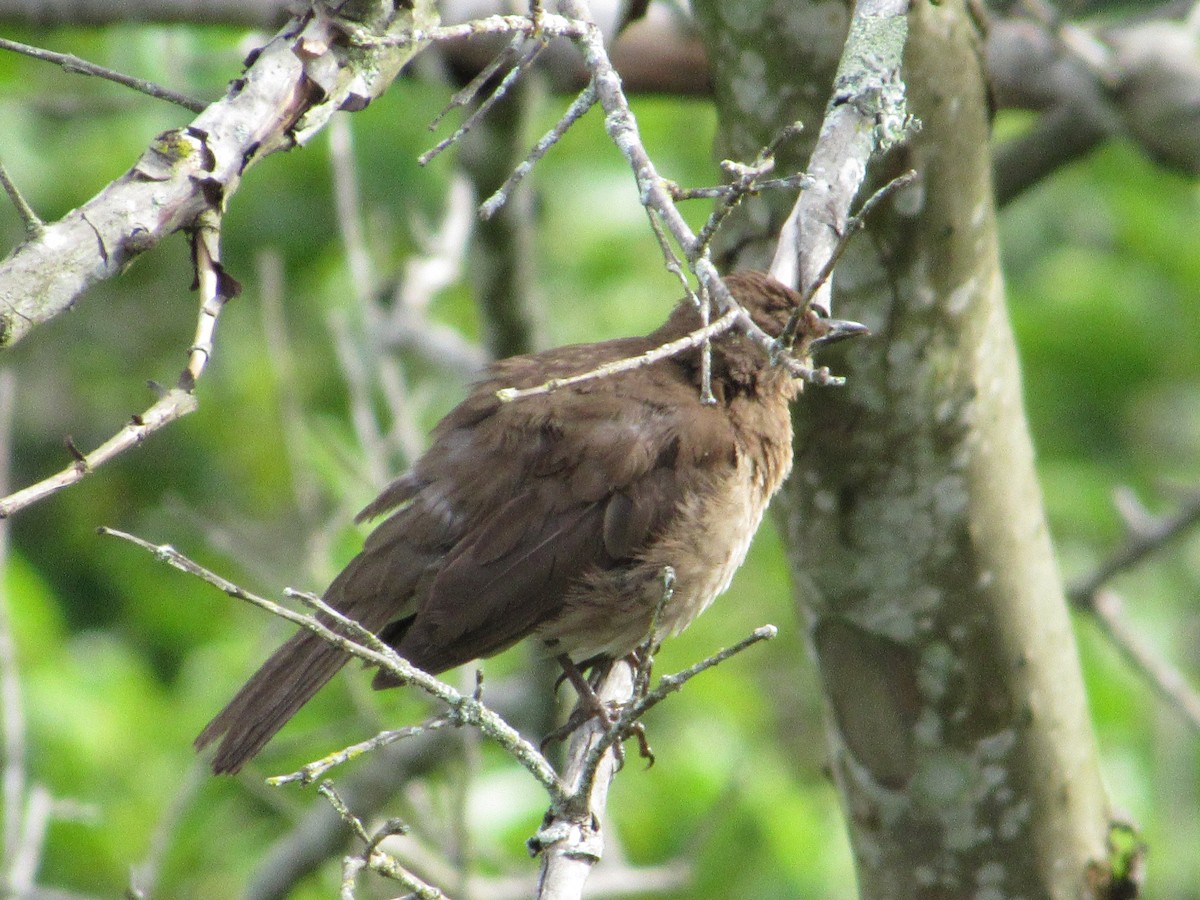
[286,94]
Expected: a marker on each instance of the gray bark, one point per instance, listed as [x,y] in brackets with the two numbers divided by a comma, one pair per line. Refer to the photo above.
[957,723]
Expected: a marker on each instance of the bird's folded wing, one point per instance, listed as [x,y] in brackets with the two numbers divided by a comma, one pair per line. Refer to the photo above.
[581,482]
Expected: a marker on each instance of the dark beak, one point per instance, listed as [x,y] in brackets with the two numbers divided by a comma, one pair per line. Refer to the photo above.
[837,330]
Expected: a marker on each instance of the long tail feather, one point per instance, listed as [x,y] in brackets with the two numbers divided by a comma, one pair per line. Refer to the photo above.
[286,681]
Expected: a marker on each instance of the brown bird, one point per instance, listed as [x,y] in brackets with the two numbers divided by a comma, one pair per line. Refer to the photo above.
[554,515]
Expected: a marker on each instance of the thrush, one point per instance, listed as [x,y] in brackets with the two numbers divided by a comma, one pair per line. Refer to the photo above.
[554,516]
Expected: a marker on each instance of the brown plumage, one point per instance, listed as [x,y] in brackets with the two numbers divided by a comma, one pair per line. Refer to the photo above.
[554,515]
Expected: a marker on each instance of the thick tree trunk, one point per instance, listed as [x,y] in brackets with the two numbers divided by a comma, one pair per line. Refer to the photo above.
[957,725]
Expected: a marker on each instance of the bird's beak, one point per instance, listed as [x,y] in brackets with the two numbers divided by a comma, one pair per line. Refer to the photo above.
[838,330]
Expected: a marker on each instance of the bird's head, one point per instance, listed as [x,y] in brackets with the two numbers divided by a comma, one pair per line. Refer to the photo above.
[771,305]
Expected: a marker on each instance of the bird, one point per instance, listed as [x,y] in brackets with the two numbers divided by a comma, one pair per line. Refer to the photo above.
[555,516]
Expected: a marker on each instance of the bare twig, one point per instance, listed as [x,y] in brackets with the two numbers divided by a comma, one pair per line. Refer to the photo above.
[671,348]
[510,78]
[33,225]
[581,104]
[723,191]
[1090,595]
[309,773]
[70,63]
[667,685]
[1108,611]
[471,89]
[745,179]
[175,404]
[372,857]
[1142,542]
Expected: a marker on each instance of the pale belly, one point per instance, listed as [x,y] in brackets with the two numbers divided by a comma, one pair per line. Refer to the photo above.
[612,613]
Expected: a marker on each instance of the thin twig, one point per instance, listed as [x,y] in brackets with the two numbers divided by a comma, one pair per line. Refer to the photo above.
[175,404]
[310,772]
[581,104]
[1141,543]
[71,63]
[33,225]
[706,391]
[215,287]
[748,180]
[663,351]
[509,79]
[722,191]
[746,176]
[1089,595]
[372,857]
[471,89]
[1107,610]
[674,264]
[667,685]
[352,629]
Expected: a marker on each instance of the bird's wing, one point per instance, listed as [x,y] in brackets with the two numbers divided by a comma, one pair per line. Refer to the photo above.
[582,479]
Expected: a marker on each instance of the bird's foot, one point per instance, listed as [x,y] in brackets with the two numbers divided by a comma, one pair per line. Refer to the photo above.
[642,662]
[590,706]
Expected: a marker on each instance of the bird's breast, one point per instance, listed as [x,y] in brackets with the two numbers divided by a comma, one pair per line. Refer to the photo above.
[611,612]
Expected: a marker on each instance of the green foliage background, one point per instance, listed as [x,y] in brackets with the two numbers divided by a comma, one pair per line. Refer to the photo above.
[122,660]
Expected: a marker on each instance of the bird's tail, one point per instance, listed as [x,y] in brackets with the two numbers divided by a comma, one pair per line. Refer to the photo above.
[372,590]
[274,694]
